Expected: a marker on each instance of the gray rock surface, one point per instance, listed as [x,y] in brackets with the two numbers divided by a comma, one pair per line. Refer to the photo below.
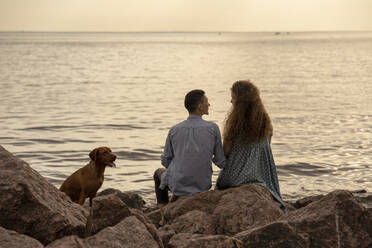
[131,199]
[226,212]
[129,233]
[12,239]
[30,205]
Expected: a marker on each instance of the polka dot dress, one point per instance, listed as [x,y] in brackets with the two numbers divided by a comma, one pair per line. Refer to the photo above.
[250,163]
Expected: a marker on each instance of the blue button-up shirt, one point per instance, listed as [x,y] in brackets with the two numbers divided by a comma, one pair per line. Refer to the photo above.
[189,150]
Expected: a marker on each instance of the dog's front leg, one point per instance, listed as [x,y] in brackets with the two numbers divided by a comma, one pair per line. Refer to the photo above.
[89,225]
[82,198]
[91,205]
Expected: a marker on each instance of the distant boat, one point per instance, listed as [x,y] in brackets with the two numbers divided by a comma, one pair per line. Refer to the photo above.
[279,33]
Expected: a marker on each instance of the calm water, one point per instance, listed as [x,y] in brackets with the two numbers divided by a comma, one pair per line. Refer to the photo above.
[63,94]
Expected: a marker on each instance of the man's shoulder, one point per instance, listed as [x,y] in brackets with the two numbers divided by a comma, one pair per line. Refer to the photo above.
[199,123]
[178,126]
[210,124]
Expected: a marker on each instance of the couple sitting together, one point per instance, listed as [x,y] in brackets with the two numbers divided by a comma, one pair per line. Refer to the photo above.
[244,157]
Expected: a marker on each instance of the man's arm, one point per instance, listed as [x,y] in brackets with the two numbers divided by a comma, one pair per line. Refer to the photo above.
[168,154]
[219,157]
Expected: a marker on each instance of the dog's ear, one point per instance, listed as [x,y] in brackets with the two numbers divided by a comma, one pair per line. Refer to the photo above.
[94,154]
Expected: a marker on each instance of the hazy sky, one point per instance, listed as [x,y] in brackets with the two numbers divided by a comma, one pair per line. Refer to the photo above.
[185,15]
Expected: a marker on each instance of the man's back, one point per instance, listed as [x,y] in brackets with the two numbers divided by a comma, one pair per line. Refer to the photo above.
[188,154]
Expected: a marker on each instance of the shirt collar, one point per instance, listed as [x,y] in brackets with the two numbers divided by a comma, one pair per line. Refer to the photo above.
[192,116]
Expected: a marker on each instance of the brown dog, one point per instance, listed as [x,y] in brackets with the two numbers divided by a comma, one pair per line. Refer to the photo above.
[86,181]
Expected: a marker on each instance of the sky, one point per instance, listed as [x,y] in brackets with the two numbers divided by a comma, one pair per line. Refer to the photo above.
[185,15]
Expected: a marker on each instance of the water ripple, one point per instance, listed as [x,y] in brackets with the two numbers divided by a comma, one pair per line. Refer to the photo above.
[83,127]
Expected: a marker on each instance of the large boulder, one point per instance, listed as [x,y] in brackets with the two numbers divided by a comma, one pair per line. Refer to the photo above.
[224,212]
[149,225]
[194,221]
[303,202]
[130,233]
[245,207]
[108,210]
[131,199]
[338,219]
[13,239]
[30,205]
[274,235]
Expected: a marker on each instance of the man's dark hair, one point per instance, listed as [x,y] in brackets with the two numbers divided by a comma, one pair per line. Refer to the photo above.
[192,99]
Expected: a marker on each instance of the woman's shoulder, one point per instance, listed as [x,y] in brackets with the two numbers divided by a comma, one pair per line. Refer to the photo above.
[239,141]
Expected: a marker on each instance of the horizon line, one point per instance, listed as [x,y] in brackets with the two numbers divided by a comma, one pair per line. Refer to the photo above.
[182,31]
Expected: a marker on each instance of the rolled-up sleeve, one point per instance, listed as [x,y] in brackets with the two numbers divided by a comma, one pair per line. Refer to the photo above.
[168,154]
[218,154]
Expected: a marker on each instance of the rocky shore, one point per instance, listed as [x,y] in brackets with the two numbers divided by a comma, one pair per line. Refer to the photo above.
[34,213]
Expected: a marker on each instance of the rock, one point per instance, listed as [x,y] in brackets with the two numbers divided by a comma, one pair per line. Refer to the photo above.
[194,222]
[274,235]
[306,201]
[226,212]
[186,240]
[108,210]
[72,241]
[336,220]
[129,233]
[30,205]
[359,191]
[366,200]
[150,227]
[155,216]
[131,199]
[10,238]
[166,233]
[205,201]
[245,207]
[289,206]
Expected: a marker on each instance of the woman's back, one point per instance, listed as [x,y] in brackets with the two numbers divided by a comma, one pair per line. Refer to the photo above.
[250,163]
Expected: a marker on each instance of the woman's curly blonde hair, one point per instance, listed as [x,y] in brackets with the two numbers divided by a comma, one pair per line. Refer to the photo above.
[248,117]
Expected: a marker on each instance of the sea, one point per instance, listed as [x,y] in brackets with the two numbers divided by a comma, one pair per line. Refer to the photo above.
[64,93]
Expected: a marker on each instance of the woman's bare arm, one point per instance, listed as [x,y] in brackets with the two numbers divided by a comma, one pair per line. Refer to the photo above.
[226,146]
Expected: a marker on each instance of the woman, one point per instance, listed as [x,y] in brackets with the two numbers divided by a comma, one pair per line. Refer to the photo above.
[247,137]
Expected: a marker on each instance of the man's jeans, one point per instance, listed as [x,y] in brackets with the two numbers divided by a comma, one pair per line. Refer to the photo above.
[161,194]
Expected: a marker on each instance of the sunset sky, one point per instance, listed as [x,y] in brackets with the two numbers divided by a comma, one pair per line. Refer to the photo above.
[185,15]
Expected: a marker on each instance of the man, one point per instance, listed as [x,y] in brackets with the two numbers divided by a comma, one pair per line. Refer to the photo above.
[190,148]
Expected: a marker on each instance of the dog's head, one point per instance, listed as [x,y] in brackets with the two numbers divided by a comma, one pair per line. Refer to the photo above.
[103,155]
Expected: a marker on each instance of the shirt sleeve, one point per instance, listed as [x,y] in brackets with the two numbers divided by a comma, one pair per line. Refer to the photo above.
[168,154]
[218,154]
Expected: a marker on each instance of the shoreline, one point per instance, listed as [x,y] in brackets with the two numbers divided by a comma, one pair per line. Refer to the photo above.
[247,216]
